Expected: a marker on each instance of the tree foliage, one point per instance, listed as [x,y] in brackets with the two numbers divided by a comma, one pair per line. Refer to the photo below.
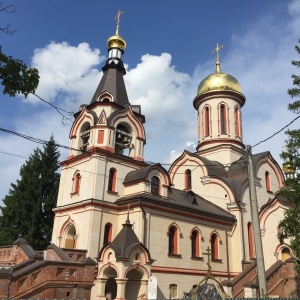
[289,226]
[29,203]
[16,77]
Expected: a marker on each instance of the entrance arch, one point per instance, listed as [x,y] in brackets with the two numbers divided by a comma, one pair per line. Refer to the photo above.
[133,285]
[111,284]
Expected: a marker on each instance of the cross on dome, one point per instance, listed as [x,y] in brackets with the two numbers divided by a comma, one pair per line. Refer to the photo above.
[217,50]
[118,21]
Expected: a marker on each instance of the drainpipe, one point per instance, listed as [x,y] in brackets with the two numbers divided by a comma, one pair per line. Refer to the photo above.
[144,225]
[227,252]
[243,238]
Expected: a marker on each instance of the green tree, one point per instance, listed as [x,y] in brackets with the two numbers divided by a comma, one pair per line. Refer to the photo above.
[29,203]
[289,226]
[16,77]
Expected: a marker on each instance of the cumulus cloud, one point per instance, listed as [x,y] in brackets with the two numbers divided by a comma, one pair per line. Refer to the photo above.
[258,56]
[68,74]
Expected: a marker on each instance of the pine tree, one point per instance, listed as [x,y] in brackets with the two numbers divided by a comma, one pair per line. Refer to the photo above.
[29,203]
[289,226]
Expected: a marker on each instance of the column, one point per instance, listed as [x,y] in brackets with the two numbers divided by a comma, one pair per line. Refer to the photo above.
[121,284]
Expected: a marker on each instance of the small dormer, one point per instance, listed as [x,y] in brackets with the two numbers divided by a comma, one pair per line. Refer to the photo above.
[153,180]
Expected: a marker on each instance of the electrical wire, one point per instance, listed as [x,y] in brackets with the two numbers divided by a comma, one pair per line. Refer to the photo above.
[277,132]
[58,109]
[13,154]
[37,140]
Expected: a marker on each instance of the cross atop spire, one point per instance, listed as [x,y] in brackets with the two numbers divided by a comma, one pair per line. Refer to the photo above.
[217,50]
[118,21]
[127,221]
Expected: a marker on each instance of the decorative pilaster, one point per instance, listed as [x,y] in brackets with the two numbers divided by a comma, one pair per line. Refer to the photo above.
[121,284]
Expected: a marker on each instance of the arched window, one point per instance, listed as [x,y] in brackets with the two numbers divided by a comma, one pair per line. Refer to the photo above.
[71,237]
[123,140]
[285,254]
[195,238]
[173,240]
[206,121]
[173,294]
[107,233]
[268,181]
[155,185]
[251,241]
[76,183]
[84,136]
[188,179]
[214,245]
[223,125]
[237,121]
[112,178]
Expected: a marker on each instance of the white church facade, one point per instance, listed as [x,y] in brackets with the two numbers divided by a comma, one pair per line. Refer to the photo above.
[138,220]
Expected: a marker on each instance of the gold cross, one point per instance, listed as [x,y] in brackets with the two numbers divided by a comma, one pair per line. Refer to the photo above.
[118,21]
[208,254]
[217,50]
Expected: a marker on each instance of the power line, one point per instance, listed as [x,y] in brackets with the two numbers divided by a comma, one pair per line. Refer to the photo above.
[13,154]
[277,132]
[58,109]
[37,140]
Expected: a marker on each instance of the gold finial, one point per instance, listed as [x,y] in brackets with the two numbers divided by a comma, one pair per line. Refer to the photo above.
[118,21]
[127,221]
[217,50]
[209,274]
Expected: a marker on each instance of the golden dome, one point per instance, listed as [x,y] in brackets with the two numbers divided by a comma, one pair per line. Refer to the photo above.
[116,41]
[219,82]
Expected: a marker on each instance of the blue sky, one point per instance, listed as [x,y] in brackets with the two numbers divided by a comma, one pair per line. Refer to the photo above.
[168,53]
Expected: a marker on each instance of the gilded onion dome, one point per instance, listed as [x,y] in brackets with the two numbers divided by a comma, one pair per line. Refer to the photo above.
[219,81]
[116,41]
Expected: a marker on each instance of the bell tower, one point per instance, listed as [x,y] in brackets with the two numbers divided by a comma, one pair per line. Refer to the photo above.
[107,142]
[109,122]
[219,101]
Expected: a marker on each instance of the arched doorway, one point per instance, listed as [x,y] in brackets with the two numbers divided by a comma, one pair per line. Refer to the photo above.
[111,284]
[285,254]
[133,285]
[71,236]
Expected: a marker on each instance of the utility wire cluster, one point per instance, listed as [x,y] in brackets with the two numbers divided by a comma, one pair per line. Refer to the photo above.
[41,141]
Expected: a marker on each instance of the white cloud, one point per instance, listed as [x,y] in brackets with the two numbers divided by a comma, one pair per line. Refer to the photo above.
[67,70]
[259,57]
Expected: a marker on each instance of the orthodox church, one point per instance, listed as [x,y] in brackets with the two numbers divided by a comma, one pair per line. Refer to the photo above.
[139,221]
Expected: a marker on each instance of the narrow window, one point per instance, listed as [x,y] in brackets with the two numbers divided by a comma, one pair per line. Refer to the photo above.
[188,179]
[173,240]
[85,136]
[76,183]
[206,121]
[112,180]
[173,291]
[155,185]
[268,181]
[251,241]
[285,254]
[107,233]
[195,243]
[223,119]
[214,244]
[237,122]
[70,239]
